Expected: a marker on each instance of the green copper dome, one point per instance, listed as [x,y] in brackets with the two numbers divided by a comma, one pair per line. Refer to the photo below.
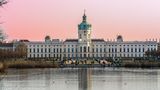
[84,25]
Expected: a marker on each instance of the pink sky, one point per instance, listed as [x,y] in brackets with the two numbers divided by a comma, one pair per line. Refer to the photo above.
[34,19]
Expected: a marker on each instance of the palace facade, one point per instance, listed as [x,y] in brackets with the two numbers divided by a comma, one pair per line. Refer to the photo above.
[86,47]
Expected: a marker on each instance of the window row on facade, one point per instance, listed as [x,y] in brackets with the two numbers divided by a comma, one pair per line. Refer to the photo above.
[86,55]
[121,45]
[85,49]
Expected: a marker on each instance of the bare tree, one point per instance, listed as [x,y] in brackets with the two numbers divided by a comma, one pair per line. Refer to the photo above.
[21,50]
[2,2]
[3,36]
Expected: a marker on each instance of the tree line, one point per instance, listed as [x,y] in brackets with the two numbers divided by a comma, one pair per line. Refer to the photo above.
[19,52]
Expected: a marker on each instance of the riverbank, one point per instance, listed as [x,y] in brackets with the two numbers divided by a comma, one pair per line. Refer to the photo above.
[141,63]
[2,69]
[119,63]
[20,64]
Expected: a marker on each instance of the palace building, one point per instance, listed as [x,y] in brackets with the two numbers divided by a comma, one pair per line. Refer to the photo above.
[86,47]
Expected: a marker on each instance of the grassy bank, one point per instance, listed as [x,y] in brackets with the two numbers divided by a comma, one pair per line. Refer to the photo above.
[2,67]
[141,63]
[20,64]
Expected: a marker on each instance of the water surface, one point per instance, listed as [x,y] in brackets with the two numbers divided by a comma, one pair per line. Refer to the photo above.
[81,79]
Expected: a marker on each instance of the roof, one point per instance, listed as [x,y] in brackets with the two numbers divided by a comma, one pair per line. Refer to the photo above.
[24,40]
[6,44]
[132,42]
[76,40]
[98,40]
[71,40]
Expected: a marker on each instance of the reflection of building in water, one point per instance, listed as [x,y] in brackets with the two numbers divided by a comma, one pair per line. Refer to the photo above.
[158,80]
[84,78]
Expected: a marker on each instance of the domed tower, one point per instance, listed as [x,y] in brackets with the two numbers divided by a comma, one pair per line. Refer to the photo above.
[84,31]
[119,38]
[84,38]
[47,38]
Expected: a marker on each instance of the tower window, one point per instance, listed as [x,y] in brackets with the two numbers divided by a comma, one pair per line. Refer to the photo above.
[80,36]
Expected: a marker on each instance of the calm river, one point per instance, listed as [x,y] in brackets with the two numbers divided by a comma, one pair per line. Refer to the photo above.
[81,79]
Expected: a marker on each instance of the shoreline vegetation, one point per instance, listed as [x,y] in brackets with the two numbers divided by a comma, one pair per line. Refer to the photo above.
[23,64]
[141,64]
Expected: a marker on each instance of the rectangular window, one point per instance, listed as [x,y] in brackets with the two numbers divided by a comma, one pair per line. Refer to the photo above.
[143,49]
[88,49]
[57,50]
[72,49]
[42,50]
[84,48]
[49,50]
[34,50]
[80,49]
[93,50]
[64,49]
[135,49]
[80,55]
[37,50]
[128,50]
[100,49]
[115,49]
[96,49]
[76,50]
[124,50]
[112,50]
[53,50]
[60,50]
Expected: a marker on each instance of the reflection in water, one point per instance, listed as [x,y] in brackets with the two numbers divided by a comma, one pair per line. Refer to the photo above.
[81,79]
[84,79]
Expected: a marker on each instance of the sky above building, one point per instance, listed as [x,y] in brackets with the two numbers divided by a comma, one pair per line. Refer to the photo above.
[34,19]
